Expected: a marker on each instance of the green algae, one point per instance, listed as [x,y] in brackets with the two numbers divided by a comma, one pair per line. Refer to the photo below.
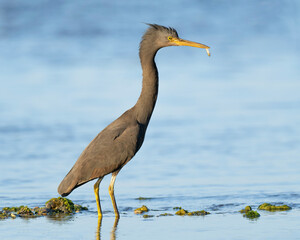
[8,213]
[251,214]
[141,210]
[41,211]
[164,214]
[183,212]
[55,206]
[25,212]
[60,205]
[142,198]
[246,209]
[273,208]
[147,216]
[176,208]
[198,213]
[4,215]
[12,209]
[79,208]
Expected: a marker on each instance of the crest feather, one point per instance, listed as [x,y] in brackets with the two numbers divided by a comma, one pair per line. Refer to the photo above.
[170,30]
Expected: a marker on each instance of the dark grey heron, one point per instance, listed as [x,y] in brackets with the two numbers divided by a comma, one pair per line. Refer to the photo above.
[116,144]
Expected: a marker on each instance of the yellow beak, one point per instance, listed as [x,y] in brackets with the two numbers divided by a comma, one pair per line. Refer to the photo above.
[182,42]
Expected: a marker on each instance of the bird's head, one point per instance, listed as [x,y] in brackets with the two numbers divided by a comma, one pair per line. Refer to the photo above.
[165,36]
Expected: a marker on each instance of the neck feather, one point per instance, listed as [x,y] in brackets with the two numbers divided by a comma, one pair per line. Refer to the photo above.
[146,102]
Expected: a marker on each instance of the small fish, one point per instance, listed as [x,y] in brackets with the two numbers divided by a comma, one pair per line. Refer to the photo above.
[207,50]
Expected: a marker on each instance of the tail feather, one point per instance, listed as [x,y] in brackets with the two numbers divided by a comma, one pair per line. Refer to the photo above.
[67,185]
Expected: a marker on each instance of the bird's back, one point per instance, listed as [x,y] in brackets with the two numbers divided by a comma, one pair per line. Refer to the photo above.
[109,151]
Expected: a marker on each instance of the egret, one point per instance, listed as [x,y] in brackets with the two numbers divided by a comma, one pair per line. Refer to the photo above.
[117,144]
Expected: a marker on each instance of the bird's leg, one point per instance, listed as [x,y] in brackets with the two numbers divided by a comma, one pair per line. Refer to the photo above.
[96,190]
[111,192]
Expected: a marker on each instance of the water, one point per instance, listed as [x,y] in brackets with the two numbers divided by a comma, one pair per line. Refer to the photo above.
[224,134]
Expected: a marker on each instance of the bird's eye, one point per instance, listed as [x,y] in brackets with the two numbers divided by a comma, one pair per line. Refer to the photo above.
[170,38]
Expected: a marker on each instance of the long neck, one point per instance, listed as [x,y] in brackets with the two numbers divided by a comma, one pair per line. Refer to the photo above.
[146,102]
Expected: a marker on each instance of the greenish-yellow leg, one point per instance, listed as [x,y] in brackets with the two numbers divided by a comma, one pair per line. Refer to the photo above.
[96,190]
[112,194]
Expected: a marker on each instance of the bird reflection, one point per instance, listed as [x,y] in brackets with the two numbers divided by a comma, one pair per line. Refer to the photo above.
[113,230]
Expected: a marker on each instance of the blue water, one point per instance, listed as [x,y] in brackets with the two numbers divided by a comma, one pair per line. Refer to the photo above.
[225,132]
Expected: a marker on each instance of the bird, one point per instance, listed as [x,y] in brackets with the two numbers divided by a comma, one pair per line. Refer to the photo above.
[118,143]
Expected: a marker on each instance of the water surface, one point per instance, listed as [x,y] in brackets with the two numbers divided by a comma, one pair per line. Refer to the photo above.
[224,134]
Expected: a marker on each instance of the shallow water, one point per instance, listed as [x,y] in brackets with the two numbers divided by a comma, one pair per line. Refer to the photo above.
[224,133]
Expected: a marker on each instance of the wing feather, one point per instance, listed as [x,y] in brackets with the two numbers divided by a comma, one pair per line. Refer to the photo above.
[109,151]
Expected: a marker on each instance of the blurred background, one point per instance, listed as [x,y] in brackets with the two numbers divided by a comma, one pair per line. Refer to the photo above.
[228,125]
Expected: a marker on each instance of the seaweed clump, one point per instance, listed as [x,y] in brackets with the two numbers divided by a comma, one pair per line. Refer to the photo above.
[79,208]
[22,211]
[164,214]
[8,212]
[53,206]
[4,215]
[246,209]
[147,216]
[60,205]
[41,211]
[12,209]
[198,213]
[176,208]
[141,210]
[273,208]
[25,212]
[143,198]
[183,212]
[251,214]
